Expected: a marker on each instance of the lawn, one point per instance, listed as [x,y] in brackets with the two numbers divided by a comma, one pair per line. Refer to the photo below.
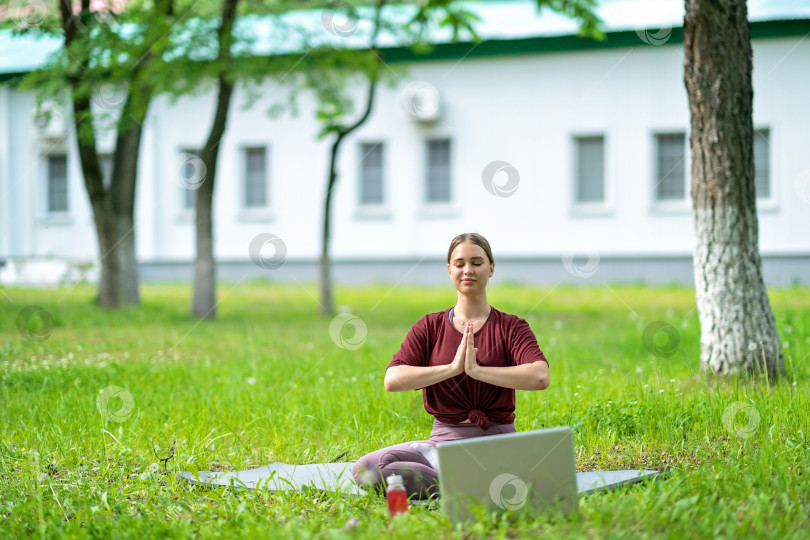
[91,408]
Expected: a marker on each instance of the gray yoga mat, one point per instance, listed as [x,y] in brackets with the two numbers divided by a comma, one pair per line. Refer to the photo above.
[338,477]
[284,477]
[589,482]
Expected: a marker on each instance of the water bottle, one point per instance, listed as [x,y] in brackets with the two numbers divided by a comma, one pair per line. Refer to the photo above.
[396,495]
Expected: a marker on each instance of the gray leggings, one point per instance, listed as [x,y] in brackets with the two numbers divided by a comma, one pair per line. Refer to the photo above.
[419,478]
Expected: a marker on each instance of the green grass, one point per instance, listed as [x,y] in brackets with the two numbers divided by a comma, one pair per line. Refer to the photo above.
[265,382]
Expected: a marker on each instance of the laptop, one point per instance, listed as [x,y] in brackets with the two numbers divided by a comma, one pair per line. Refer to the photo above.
[526,471]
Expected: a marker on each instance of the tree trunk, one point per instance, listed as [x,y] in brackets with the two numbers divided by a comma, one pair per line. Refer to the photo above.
[327,300]
[122,192]
[108,286]
[114,206]
[203,304]
[204,296]
[738,331]
[108,290]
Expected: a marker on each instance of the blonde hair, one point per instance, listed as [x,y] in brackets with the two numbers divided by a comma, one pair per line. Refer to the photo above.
[476,239]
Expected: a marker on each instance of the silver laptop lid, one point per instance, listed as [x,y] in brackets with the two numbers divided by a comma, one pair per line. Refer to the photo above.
[526,471]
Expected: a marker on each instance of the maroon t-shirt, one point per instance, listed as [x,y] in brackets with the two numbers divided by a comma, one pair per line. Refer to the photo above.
[503,340]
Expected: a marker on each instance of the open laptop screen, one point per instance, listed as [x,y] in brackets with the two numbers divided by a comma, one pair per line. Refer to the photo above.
[527,471]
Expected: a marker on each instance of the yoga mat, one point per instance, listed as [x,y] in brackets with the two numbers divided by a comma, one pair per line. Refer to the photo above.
[283,477]
[589,482]
[338,477]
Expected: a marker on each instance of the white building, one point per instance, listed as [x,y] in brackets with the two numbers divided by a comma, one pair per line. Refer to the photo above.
[592,140]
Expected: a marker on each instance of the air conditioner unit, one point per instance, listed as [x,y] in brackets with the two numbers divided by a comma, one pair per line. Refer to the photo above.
[421,100]
[49,119]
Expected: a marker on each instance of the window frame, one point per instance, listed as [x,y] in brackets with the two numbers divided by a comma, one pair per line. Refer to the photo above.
[381,210]
[106,179]
[243,177]
[438,208]
[769,203]
[606,206]
[46,183]
[185,214]
[670,206]
[253,214]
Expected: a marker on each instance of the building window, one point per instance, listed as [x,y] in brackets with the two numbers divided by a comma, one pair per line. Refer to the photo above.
[438,171]
[670,176]
[57,189]
[371,174]
[590,169]
[191,176]
[255,177]
[105,161]
[762,163]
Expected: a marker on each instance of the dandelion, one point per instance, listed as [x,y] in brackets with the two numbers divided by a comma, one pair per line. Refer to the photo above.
[576,394]
[752,346]
[661,391]
[646,385]
[558,324]
[639,370]
[672,380]
[788,329]
[785,345]
[794,383]
[578,386]
[251,380]
[685,324]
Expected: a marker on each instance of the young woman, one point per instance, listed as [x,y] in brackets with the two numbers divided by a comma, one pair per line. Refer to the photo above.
[468,361]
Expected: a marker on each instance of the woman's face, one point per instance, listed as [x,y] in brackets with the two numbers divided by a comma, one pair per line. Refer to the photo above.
[470,268]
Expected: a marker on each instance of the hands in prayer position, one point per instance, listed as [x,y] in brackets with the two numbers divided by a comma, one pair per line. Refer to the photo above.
[465,359]
[532,376]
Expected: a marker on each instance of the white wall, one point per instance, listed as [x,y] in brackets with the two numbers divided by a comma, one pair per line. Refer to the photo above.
[520,109]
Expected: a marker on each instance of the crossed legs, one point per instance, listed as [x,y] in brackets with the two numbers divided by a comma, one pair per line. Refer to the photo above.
[419,478]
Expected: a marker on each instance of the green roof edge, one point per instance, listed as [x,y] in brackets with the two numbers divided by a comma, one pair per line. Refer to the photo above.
[550,44]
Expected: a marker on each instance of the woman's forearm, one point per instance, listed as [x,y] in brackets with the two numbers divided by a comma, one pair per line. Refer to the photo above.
[404,378]
[534,376]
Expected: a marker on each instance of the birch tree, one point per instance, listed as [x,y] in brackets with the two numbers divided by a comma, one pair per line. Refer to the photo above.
[738,332]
